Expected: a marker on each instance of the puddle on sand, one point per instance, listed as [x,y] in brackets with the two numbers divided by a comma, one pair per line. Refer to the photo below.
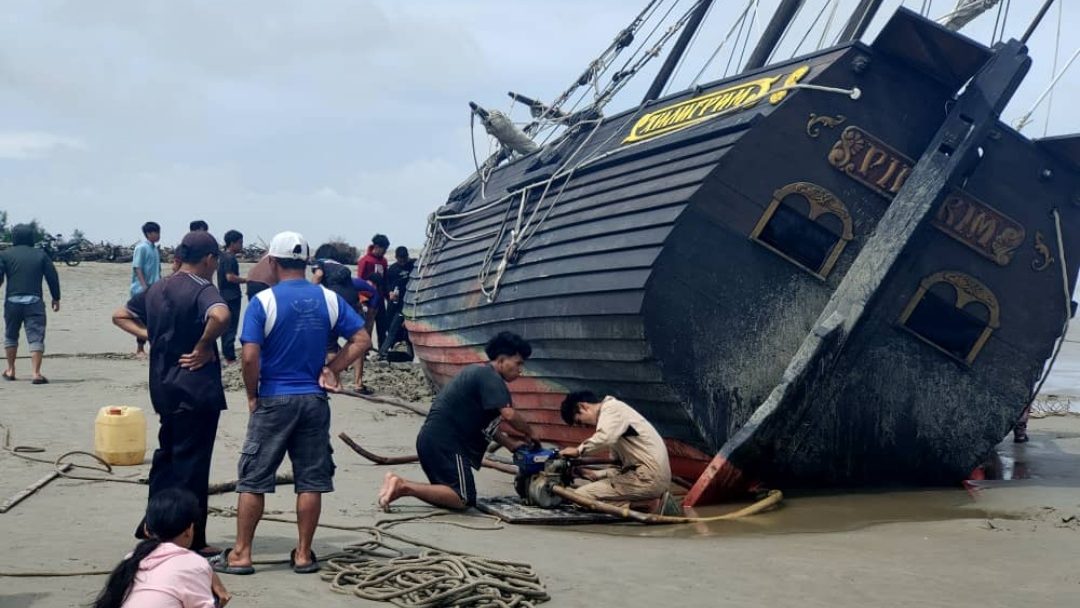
[817,512]
[1018,480]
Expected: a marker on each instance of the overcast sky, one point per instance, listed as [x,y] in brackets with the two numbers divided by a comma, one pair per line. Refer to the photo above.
[331,117]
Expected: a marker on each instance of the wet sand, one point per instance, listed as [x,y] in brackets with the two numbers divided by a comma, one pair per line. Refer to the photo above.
[1000,543]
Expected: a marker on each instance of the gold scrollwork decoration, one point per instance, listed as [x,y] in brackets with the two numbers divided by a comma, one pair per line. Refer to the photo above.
[813,127]
[1042,250]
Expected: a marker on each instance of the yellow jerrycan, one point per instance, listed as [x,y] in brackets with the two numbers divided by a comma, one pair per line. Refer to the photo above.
[120,435]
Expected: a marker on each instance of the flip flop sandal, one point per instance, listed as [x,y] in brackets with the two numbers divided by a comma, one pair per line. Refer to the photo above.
[220,563]
[7,377]
[41,380]
[308,568]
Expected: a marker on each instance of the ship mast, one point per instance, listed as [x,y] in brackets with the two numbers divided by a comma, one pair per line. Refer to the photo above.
[773,32]
[860,20]
[677,51]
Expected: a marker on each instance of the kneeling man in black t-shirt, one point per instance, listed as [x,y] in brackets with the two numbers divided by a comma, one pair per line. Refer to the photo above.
[465,416]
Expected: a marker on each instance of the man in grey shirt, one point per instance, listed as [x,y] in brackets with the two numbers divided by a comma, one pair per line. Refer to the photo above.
[24,267]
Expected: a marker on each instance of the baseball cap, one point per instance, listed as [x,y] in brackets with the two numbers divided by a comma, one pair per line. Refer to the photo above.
[197,245]
[289,246]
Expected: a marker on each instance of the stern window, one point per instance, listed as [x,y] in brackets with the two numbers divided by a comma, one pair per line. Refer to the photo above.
[953,312]
[807,225]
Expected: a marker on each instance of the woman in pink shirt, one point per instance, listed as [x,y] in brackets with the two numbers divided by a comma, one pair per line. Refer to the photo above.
[161,572]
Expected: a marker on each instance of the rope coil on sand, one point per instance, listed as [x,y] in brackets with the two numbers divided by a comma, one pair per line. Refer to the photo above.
[415,574]
[432,578]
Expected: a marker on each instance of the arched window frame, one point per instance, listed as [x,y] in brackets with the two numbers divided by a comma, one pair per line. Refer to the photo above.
[968,289]
[821,202]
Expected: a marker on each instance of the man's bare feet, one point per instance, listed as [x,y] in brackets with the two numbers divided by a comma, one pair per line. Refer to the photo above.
[390,490]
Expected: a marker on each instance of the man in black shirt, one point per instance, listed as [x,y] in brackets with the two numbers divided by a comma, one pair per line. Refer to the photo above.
[229,281]
[182,317]
[24,266]
[397,281]
[465,416]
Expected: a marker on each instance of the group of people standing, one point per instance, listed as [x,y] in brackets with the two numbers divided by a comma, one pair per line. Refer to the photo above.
[287,375]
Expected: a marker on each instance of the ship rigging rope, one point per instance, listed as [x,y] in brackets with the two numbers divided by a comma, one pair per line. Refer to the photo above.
[600,65]
[828,23]
[1005,20]
[806,34]
[1054,67]
[524,230]
[787,29]
[523,233]
[682,60]
[549,119]
[735,46]
[1024,120]
[1068,310]
[708,62]
[746,43]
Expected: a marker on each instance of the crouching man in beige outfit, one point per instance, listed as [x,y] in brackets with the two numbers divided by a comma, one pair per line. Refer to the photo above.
[643,475]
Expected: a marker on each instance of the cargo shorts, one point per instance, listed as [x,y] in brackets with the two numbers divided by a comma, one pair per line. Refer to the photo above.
[30,316]
[297,425]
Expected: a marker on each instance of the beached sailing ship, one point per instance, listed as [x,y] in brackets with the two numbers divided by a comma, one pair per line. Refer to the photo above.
[841,269]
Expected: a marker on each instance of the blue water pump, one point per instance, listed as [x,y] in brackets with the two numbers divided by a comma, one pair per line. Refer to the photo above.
[538,470]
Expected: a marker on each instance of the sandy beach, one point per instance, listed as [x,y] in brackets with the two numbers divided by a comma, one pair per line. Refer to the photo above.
[1009,542]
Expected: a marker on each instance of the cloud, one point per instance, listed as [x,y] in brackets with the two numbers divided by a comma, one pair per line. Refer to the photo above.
[28,145]
[341,117]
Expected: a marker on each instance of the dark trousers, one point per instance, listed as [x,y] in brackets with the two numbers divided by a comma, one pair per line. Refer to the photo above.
[382,323]
[395,333]
[182,460]
[228,339]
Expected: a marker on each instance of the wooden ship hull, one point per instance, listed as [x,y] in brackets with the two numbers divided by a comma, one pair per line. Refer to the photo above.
[831,271]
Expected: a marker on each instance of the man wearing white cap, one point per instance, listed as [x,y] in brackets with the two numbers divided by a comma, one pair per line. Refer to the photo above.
[285,332]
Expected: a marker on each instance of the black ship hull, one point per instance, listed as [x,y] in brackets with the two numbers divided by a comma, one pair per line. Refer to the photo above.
[694,257]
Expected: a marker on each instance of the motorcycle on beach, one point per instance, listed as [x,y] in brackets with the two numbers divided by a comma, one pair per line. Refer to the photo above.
[69,252]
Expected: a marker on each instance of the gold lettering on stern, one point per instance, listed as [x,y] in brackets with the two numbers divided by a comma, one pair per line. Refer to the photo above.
[870,161]
[984,229]
[698,109]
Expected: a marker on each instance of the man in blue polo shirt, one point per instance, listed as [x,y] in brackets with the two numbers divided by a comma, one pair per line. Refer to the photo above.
[146,269]
[285,332]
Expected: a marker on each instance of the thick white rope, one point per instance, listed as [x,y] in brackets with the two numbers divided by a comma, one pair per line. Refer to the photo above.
[965,12]
[1068,312]
[1026,118]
